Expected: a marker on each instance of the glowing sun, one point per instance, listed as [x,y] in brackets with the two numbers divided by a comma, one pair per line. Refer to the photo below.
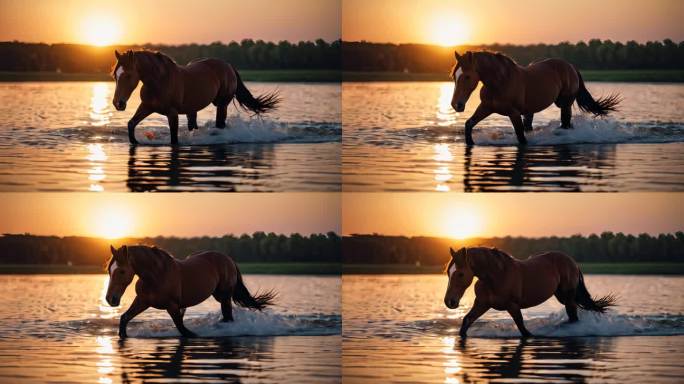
[448,31]
[112,222]
[462,223]
[100,30]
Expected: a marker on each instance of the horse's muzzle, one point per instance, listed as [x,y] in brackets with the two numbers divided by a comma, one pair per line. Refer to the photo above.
[114,301]
[451,303]
[458,107]
[120,105]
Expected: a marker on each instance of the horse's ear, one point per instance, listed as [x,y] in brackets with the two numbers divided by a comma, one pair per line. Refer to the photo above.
[458,256]
[457,56]
[117,54]
[112,249]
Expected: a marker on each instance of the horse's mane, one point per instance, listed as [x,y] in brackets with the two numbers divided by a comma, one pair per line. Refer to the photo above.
[149,262]
[489,61]
[150,64]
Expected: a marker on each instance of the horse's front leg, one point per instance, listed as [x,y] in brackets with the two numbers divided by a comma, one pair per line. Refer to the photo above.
[172,116]
[519,127]
[480,114]
[175,312]
[138,306]
[140,114]
[478,309]
[515,313]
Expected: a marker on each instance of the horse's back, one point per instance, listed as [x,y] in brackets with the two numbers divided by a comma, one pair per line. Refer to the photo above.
[543,73]
[206,79]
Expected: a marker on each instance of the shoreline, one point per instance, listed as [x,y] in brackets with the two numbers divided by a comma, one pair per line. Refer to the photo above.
[617,268]
[293,268]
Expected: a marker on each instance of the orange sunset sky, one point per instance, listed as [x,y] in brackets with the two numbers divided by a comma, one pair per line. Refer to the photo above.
[453,22]
[465,215]
[115,215]
[169,21]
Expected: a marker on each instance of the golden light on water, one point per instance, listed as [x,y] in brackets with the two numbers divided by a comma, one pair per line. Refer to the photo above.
[100,30]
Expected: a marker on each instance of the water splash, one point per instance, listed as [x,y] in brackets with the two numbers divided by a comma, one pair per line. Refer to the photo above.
[554,325]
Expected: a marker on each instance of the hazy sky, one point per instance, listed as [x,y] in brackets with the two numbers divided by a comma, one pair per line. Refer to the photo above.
[168,21]
[504,21]
[501,214]
[196,214]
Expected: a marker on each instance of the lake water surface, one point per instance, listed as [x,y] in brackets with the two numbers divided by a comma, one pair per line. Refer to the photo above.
[60,329]
[406,137]
[397,329]
[66,136]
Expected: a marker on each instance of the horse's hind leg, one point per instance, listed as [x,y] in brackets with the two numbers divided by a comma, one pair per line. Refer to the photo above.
[221,114]
[515,313]
[568,299]
[225,297]
[192,121]
[566,116]
[527,121]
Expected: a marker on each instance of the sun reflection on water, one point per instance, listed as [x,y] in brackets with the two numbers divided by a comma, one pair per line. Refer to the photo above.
[446,116]
[442,172]
[105,367]
[99,105]
[96,173]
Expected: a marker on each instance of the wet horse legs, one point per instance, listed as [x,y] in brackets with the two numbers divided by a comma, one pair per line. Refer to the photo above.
[515,313]
[566,115]
[136,308]
[476,311]
[192,121]
[527,121]
[480,114]
[175,312]
[221,113]
[519,128]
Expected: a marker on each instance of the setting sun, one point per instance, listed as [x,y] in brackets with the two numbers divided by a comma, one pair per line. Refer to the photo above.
[448,31]
[112,222]
[462,222]
[100,30]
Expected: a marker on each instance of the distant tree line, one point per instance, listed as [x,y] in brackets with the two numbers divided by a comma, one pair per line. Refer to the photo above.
[596,54]
[247,54]
[606,247]
[257,247]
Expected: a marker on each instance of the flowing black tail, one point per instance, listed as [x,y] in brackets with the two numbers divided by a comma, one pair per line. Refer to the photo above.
[243,298]
[600,107]
[584,300]
[258,105]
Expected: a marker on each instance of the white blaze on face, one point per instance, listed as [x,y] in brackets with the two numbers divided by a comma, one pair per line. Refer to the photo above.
[451,270]
[458,74]
[112,268]
[118,73]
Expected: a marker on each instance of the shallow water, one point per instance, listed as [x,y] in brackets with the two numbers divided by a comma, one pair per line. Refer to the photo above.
[397,329]
[406,137]
[68,137]
[59,328]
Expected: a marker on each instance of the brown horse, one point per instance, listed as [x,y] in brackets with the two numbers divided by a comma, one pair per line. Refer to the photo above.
[167,283]
[170,89]
[514,91]
[507,284]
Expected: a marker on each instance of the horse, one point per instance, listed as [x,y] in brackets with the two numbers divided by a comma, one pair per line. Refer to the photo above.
[507,284]
[170,89]
[174,285]
[514,91]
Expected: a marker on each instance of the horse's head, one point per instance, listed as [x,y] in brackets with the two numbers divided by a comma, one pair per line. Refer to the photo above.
[126,76]
[120,275]
[465,80]
[460,278]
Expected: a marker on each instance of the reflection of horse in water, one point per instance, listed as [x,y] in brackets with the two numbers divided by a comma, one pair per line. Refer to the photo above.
[215,167]
[520,92]
[224,359]
[508,284]
[531,168]
[528,359]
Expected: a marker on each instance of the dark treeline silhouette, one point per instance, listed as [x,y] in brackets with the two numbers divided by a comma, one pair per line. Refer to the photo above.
[258,247]
[247,54]
[606,247]
[597,54]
